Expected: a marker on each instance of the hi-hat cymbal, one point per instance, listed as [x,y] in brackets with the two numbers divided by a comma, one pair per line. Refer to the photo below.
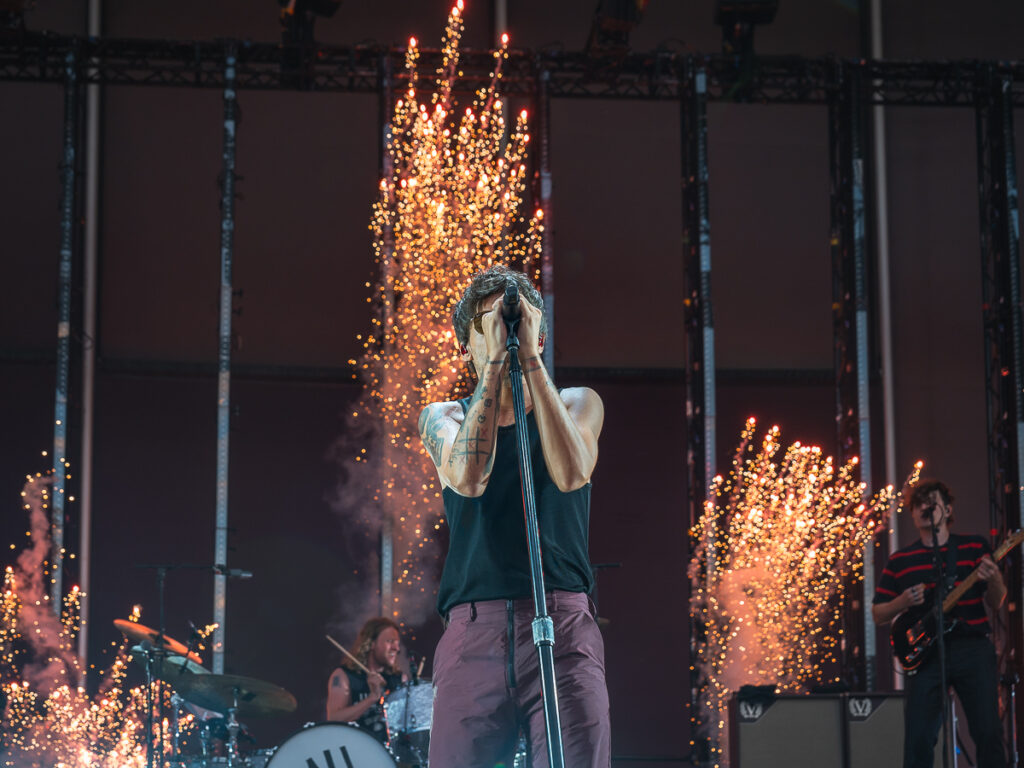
[220,692]
[140,633]
[169,667]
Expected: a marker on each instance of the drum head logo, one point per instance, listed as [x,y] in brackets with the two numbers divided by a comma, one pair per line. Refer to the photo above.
[860,708]
[750,710]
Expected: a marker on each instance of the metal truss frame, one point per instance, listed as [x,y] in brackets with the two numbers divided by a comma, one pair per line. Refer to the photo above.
[1002,327]
[661,75]
[845,87]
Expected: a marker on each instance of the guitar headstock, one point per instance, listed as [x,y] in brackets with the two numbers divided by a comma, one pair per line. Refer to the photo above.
[1012,541]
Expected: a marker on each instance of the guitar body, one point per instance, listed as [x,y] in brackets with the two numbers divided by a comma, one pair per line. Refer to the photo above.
[914,632]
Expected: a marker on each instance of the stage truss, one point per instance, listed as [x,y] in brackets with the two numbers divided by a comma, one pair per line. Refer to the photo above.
[848,88]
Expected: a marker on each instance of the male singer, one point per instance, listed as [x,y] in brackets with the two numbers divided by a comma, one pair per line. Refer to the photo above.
[486,672]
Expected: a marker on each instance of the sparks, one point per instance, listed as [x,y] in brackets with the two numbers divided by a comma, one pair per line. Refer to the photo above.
[778,547]
[448,207]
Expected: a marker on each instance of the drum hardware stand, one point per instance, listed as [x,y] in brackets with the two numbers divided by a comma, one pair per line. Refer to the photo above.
[233,728]
[156,707]
[176,701]
[152,653]
[543,626]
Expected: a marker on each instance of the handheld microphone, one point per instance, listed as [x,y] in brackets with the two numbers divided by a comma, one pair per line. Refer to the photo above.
[510,304]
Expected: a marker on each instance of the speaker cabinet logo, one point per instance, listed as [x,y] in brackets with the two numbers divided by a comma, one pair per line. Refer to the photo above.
[860,708]
[750,710]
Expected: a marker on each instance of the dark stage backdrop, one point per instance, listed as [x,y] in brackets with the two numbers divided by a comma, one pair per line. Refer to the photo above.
[302,256]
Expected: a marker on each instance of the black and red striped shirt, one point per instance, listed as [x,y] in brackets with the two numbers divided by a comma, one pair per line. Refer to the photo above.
[914,565]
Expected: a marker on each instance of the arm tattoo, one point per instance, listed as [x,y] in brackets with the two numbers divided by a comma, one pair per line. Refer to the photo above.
[533,364]
[473,443]
[430,432]
[335,680]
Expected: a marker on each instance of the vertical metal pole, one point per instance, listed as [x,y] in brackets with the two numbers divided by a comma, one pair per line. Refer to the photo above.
[67,239]
[386,169]
[500,20]
[227,235]
[700,324]
[700,346]
[999,217]
[89,288]
[863,341]
[547,253]
[851,332]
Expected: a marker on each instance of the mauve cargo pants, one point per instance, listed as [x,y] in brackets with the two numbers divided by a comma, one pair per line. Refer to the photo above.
[487,685]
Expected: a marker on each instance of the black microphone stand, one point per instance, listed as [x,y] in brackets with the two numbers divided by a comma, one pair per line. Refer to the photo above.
[940,596]
[543,627]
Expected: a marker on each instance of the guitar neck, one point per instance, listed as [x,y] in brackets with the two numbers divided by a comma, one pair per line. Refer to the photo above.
[958,592]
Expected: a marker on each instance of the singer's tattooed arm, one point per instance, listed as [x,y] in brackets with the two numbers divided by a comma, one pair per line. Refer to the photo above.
[462,444]
[569,423]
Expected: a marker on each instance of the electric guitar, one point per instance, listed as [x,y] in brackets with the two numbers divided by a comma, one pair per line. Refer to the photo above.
[914,630]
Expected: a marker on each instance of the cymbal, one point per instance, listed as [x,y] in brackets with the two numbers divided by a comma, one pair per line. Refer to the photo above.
[218,692]
[140,633]
[169,667]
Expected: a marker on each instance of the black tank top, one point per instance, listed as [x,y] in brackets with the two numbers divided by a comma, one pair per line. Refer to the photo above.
[487,554]
[372,721]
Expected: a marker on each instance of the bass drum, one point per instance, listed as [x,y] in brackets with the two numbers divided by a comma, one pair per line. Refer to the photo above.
[331,745]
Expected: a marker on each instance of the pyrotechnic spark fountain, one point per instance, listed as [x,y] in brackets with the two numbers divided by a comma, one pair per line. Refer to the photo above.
[449,207]
[778,547]
[49,719]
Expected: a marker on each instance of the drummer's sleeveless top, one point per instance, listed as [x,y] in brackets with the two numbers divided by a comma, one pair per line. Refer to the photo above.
[372,720]
[487,554]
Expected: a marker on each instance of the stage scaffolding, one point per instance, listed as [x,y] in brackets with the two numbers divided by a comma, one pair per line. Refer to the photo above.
[847,88]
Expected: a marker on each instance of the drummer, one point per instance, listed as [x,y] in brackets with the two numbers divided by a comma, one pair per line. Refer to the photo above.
[353,696]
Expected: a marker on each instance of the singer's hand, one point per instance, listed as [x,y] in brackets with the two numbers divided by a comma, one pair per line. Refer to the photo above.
[529,330]
[494,331]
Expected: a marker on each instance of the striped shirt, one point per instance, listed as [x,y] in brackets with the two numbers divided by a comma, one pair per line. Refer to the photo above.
[913,565]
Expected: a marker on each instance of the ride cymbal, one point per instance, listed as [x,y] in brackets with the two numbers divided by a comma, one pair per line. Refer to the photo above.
[253,698]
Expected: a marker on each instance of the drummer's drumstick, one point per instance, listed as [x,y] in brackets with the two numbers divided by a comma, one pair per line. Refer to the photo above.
[341,648]
[419,669]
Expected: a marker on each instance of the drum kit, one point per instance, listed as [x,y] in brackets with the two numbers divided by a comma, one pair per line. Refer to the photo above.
[216,702]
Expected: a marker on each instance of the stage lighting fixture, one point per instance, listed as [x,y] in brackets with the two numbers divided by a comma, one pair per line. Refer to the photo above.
[12,15]
[613,21]
[738,19]
[298,16]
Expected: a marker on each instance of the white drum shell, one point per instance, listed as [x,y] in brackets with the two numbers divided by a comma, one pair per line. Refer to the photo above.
[331,744]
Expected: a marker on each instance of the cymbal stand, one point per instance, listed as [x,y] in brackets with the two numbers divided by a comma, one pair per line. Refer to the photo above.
[155,707]
[176,701]
[204,741]
[150,651]
[233,728]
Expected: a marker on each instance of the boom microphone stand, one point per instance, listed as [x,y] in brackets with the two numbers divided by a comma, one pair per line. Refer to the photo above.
[940,597]
[543,627]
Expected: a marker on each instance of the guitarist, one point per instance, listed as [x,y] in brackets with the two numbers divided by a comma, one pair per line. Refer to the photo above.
[970,656]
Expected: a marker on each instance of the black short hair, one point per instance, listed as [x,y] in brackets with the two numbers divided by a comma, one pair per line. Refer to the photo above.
[487,283]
